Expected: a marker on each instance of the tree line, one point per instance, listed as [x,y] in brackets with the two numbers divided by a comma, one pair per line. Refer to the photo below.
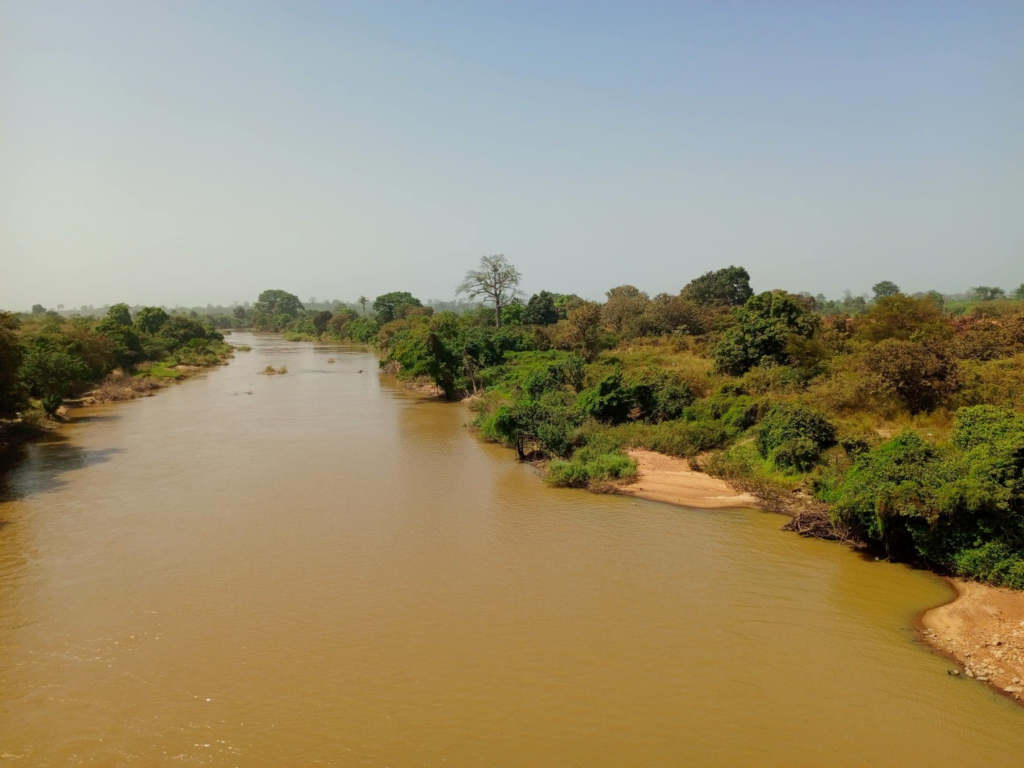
[46,357]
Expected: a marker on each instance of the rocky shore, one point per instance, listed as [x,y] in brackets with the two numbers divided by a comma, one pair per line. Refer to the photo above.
[982,630]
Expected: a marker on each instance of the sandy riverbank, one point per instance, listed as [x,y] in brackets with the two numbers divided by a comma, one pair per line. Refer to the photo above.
[664,478]
[982,629]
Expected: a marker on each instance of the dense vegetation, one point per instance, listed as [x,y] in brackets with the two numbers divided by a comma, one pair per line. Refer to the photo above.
[46,357]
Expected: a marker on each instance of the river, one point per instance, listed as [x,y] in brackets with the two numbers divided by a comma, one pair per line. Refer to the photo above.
[321,568]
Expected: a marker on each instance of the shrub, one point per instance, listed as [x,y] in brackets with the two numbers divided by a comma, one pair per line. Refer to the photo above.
[985,424]
[590,468]
[53,374]
[993,561]
[607,400]
[793,436]
[674,438]
[922,376]
[765,327]
[890,487]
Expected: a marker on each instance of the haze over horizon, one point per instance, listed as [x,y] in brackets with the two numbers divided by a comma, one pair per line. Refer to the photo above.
[190,153]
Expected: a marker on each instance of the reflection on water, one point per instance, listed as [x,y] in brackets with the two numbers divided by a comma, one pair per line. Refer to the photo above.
[44,465]
[319,568]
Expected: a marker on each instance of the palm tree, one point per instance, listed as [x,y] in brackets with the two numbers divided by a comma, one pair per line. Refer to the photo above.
[363,300]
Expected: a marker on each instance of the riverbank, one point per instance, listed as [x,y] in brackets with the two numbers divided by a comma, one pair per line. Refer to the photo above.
[117,387]
[664,478]
[982,630]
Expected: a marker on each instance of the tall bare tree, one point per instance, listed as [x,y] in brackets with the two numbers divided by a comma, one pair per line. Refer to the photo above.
[495,281]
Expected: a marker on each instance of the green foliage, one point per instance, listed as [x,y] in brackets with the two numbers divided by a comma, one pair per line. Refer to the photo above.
[993,561]
[179,331]
[12,393]
[682,439]
[764,329]
[960,507]
[793,436]
[729,287]
[985,424]
[394,305]
[150,320]
[127,348]
[591,468]
[529,425]
[894,483]
[607,400]
[119,314]
[513,313]
[885,288]
[52,374]
[277,302]
[532,374]
[540,310]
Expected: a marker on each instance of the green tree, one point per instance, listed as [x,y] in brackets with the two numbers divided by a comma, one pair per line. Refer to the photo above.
[12,393]
[38,309]
[729,287]
[513,313]
[240,313]
[119,314]
[150,319]
[541,309]
[362,302]
[765,328]
[1019,292]
[117,326]
[394,305]
[277,302]
[53,374]
[885,288]
[987,293]
[494,280]
[793,436]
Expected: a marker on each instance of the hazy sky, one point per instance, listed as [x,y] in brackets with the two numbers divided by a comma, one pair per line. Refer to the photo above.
[193,152]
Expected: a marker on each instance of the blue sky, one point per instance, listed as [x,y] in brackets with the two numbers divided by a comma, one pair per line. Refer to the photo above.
[194,152]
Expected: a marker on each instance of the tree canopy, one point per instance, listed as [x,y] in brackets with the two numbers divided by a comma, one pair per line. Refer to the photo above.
[885,288]
[728,287]
[278,302]
[394,305]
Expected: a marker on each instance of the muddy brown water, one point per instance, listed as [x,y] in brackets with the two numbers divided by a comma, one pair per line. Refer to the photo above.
[322,569]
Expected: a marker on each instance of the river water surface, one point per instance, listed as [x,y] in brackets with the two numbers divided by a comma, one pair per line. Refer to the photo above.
[320,568]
